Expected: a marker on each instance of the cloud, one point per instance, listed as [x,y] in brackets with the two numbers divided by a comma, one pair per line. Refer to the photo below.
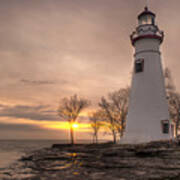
[27,131]
[16,127]
[36,82]
[71,46]
[39,113]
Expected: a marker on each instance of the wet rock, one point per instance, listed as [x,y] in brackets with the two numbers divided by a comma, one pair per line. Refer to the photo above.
[27,158]
[148,152]
[97,175]
[110,154]
[60,146]
[155,160]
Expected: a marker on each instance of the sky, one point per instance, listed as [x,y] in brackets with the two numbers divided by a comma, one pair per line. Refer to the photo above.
[50,49]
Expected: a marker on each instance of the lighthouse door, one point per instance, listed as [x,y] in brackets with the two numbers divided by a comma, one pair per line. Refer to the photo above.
[165,126]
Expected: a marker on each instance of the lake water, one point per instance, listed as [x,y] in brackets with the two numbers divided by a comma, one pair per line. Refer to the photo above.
[11,150]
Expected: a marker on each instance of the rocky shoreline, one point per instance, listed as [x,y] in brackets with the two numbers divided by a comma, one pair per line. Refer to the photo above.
[151,161]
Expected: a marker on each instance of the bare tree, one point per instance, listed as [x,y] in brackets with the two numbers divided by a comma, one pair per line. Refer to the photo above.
[96,123]
[115,109]
[169,80]
[69,110]
[174,109]
[173,100]
[109,117]
[120,105]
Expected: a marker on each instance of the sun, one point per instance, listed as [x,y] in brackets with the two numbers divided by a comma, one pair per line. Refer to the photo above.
[75,125]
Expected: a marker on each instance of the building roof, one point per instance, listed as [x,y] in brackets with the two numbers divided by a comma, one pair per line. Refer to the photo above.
[146,12]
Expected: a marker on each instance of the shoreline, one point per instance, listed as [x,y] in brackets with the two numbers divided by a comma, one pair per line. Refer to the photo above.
[155,160]
[8,158]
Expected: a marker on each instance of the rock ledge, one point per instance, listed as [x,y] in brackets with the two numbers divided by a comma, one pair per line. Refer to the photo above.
[150,161]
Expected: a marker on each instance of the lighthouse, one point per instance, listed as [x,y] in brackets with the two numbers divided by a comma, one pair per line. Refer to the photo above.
[148,116]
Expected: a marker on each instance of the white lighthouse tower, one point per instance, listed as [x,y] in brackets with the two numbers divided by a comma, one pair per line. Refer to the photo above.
[148,117]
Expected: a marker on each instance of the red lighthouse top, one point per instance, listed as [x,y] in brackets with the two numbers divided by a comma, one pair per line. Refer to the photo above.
[146,28]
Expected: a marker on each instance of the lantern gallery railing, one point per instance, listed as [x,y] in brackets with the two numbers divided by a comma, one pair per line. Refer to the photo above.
[147,31]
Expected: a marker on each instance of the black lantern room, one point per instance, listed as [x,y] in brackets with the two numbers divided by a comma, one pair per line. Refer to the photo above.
[146,17]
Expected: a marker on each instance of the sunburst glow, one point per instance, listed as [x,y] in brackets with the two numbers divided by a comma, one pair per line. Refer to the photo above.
[65,125]
[75,125]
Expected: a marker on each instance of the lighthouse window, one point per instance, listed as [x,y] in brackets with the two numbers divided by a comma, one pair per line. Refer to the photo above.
[139,65]
[165,126]
[147,19]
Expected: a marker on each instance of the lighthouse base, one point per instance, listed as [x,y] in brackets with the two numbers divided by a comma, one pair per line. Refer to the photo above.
[142,138]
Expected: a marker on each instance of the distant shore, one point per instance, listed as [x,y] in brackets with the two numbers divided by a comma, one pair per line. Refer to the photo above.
[155,160]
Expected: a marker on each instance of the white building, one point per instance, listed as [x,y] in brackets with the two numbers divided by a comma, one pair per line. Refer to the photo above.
[148,116]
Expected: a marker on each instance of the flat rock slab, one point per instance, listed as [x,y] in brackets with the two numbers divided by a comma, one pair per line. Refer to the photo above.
[151,161]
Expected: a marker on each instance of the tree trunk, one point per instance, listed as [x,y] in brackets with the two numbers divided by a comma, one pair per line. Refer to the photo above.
[72,134]
[120,134]
[93,138]
[176,128]
[114,137]
[96,136]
